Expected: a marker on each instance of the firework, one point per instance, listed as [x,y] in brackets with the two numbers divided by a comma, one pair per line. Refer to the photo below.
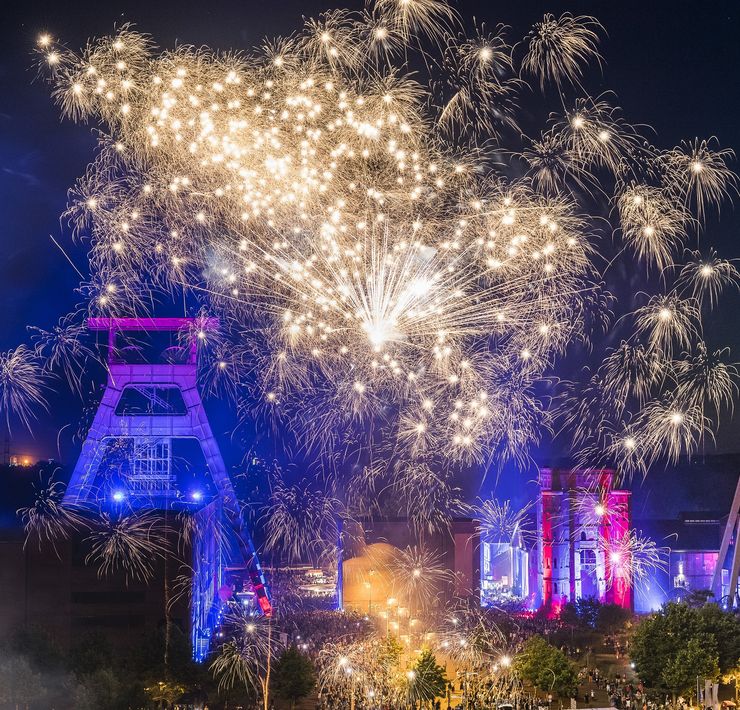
[652,224]
[47,520]
[471,636]
[63,349]
[595,512]
[129,543]
[244,657]
[367,668]
[633,558]
[501,522]
[21,385]
[559,48]
[700,175]
[300,522]
[382,277]
[420,574]
[706,278]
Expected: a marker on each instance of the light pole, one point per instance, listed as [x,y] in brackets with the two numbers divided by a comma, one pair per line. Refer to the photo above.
[552,685]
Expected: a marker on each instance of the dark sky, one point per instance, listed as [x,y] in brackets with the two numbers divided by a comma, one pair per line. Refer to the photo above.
[673,65]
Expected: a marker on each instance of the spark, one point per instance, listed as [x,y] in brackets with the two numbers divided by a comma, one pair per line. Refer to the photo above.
[128,543]
[22,385]
[381,276]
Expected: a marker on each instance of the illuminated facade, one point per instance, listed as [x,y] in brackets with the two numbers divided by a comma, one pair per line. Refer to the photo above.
[581,519]
[504,571]
[150,403]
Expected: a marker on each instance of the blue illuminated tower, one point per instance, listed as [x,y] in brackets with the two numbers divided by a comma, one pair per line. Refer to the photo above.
[145,406]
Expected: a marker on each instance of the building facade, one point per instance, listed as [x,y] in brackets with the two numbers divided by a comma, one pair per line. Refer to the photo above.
[505,571]
[583,524]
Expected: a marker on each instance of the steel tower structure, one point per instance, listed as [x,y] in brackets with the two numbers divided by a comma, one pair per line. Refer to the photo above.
[146,404]
[730,535]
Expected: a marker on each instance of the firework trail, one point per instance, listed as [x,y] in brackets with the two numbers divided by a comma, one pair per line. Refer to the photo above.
[22,385]
[129,543]
[47,520]
[382,275]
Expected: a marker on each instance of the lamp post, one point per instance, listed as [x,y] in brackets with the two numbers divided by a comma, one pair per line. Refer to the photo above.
[552,685]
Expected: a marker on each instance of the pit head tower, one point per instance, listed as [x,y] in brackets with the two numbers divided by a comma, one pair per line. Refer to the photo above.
[150,400]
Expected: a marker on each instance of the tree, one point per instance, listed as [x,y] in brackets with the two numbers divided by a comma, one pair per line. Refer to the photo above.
[167,692]
[661,638]
[19,685]
[698,597]
[427,680]
[293,676]
[725,627]
[546,667]
[569,616]
[100,689]
[37,645]
[733,676]
[587,610]
[697,659]
[90,654]
[389,653]
[610,618]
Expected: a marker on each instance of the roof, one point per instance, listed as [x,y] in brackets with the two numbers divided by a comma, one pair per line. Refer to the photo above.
[680,535]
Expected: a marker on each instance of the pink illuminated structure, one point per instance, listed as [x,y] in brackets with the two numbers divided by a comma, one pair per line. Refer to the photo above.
[580,519]
[147,403]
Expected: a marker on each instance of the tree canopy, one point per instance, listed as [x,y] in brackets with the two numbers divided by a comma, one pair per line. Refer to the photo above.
[428,680]
[293,677]
[546,667]
[680,642]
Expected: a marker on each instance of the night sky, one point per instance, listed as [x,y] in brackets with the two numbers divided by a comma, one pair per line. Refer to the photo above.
[673,65]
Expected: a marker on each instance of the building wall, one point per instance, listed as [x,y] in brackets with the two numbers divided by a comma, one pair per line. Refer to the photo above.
[572,540]
[66,597]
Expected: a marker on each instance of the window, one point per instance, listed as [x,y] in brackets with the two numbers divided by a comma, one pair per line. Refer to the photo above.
[150,400]
[151,467]
[588,557]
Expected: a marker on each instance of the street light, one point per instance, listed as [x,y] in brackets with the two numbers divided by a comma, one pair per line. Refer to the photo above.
[552,685]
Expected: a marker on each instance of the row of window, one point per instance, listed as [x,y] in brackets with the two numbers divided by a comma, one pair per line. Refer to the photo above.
[587,557]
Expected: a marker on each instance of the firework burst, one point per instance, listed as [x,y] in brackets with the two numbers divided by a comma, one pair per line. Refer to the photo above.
[381,276]
[633,558]
[243,657]
[559,48]
[419,575]
[129,543]
[47,520]
[22,384]
[502,522]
